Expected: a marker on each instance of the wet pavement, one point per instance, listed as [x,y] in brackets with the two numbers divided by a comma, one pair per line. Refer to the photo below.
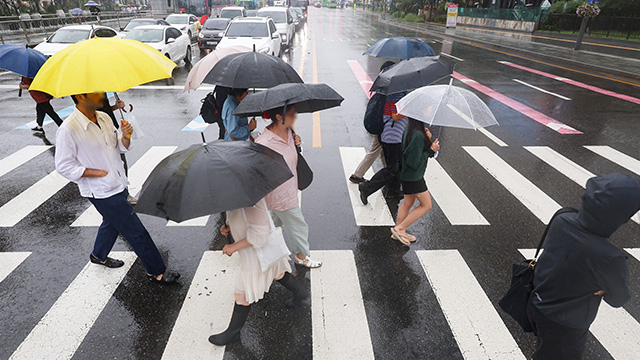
[374,297]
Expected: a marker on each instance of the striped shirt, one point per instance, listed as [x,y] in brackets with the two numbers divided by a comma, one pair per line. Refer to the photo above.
[393,130]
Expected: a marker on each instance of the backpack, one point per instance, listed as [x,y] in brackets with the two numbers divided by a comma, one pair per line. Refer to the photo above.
[209,110]
[373,115]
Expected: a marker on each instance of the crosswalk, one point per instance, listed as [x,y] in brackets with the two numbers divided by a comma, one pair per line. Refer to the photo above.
[337,303]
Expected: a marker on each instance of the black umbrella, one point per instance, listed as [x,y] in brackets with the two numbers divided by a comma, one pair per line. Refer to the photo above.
[412,74]
[306,97]
[210,178]
[251,70]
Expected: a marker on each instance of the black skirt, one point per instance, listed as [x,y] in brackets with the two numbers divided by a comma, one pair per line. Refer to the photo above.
[414,187]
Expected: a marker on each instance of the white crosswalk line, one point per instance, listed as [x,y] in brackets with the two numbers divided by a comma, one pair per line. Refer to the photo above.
[339,322]
[617,157]
[20,157]
[206,310]
[20,206]
[614,328]
[567,167]
[62,329]
[454,203]
[474,321]
[9,261]
[138,173]
[376,213]
[492,137]
[539,203]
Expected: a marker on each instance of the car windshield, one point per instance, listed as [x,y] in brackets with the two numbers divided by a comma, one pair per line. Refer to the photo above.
[298,11]
[177,20]
[135,23]
[215,24]
[69,36]
[278,16]
[146,35]
[247,29]
[230,14]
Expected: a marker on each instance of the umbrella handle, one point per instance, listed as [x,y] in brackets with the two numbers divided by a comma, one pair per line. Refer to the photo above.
[128,136]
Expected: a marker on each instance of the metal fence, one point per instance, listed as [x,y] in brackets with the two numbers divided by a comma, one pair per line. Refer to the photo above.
[524,14]
[604,26]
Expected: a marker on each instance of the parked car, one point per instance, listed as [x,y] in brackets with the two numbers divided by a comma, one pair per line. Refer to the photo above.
[134,23]
[283,20]
[260,32]
[186,23]
[211,33]
[231,12]
[170,41]
[72,34]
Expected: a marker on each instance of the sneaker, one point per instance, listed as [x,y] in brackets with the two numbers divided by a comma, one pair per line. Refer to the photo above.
[38,128]
[356,180]
[132,200]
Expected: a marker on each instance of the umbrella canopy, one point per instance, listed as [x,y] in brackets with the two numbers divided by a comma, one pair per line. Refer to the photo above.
[204,66]
[446,105]
[210,178]
[306,97]
[251,70]
[91,3]
[412,74]
[21,59]
[101,65]
[75,12]
[400,48]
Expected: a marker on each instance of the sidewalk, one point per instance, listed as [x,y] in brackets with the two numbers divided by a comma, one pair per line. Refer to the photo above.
[622,68]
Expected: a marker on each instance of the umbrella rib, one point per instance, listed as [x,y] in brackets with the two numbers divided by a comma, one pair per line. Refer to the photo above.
[473,122]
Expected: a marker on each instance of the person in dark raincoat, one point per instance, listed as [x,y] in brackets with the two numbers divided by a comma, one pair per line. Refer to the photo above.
[580,267]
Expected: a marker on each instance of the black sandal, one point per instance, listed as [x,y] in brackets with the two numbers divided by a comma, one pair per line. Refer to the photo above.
[169,277]
[110,262]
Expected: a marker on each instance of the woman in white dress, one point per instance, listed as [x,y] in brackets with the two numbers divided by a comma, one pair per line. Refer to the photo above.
[252,226]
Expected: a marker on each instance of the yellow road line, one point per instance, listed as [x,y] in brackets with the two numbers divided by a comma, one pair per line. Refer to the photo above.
[317,134]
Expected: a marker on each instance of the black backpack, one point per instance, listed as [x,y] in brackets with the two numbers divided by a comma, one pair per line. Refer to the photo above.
[373,115]
[209,110]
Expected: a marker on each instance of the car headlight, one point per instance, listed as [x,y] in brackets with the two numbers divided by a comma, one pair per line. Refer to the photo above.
[264,50]
[283,37]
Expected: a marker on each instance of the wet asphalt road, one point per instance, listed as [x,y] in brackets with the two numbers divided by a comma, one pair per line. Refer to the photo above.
[405,319]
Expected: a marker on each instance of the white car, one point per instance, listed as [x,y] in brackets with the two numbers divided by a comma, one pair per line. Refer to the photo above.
[167,39]
[283,20]
[231,12]
[186,23]
[253,31]
[72,34]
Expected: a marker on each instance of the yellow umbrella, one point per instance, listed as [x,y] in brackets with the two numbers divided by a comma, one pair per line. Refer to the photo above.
[101,65]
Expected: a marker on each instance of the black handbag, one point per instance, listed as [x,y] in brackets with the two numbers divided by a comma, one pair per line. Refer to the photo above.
[305,174]
[515,301]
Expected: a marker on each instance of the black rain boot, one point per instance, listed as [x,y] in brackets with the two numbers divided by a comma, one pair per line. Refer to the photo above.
[289,281]
[232,334]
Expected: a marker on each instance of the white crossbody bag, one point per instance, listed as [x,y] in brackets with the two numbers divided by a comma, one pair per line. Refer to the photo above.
[275,249]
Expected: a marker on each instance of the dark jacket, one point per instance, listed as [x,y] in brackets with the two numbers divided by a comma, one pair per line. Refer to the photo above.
[414,157]
[578,260]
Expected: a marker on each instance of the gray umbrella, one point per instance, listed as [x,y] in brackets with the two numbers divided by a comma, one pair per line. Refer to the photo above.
[306,97]
[251,70]
[210,178]
[412,74]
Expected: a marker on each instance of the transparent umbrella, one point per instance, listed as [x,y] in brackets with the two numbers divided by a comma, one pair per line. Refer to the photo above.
[446,105]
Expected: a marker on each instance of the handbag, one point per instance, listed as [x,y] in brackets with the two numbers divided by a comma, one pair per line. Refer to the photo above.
[305,174]
[275,249]
[515,301]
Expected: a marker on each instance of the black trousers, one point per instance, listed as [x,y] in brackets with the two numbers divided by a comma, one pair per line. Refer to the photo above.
[387,175]
[45,108]
[555,341]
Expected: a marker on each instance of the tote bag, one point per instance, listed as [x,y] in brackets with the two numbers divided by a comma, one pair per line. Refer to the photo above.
[275,249]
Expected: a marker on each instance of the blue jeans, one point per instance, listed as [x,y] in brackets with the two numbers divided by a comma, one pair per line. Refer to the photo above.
[118,217]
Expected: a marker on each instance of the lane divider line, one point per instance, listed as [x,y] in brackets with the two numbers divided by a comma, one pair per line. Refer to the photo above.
[541,90]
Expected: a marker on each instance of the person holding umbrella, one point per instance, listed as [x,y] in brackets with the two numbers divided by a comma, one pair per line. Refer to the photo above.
[43,105]
[236,128]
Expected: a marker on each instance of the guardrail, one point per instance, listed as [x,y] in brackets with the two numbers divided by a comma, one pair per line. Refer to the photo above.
[524,14]
[604,26]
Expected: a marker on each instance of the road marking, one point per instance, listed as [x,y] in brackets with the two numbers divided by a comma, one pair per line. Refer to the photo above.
[302,56]
[20,157]
[362,77]
[541,90]
[376,213]
[9,261]
[451,56]
[138,173]
[452,201]
[518,106]
[539,203]
[62,329]
[20,206]
[197,124]
[48,120]
[575,83]
[317,133]
[200,221]
[206,310]
[614,328]
[492,137]
[559,162]
[337,306]
[617,157]
[474,321]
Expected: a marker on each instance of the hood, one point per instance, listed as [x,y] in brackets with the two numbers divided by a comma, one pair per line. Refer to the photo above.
[50,48]
[243,41]
[609,201]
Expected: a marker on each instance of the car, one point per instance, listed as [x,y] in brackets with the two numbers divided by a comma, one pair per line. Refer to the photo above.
[231,12]
[134,23]
[211,33]
[260,33]
[186,23]
[170,41]
[283,20]
[299,16]
[72,34]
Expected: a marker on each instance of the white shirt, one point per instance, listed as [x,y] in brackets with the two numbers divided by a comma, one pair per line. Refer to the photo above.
[81,145]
